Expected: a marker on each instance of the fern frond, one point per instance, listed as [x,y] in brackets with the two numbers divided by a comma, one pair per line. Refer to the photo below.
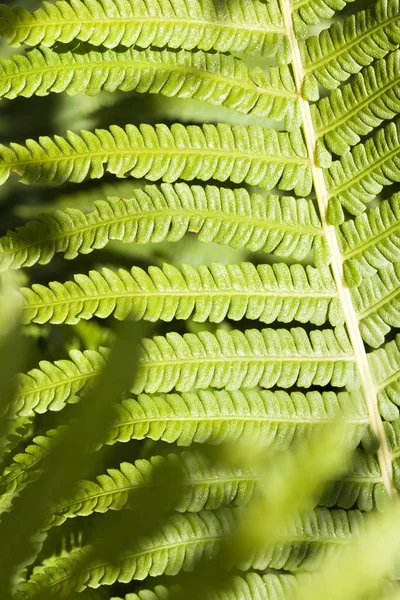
[377,304]
[21,470]
[205,486]
[371,241]
[238,359]
[250,586]
[344,48]
[385,366]
[311,12]
[257,156]
[252,28]
[266,293]
[253,586]
[245,359]
[52,385]
[356,109]
[284,226]
[362,486]
[215,78]
[228,360]
[392,431]
[201,360]
[183,540]
[360,175]
[275,419]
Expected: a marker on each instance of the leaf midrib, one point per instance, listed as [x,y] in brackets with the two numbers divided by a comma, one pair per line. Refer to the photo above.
[273,420]
[159,20]
[110,152]
[227,293]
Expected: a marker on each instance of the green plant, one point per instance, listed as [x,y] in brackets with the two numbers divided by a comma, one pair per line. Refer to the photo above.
[287,157]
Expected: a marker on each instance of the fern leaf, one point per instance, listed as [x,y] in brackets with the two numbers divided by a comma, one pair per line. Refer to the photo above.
[275,419]
[371,241]
[283,226]
[226,360]
[22,469]
[238,359]
[344,48]
[213,487]
[320,356]
[252,28]
[362,486]
[392,431]
[257,156]
[52,385]
[216,78]
[361,174]
[205,486]
[266,293]
[377,304]
[250,586]
[356,109]
[208,486]
[183,540]
[385,367]
[253,586]
[311,12]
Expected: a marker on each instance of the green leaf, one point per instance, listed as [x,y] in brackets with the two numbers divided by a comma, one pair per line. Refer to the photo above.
[345,47]
[185,538]
[354,110]
[206,485]
[249,586]
[253,28]
[23,467]
[216,78]
[280,225]
[311,12]
[228,360]
[361,486]
[362,566]
[385,366]
[168,153]
[265,293]
[377,304]
[360,175]
[52,385]
[235,359]
[275,419]
[372,241]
